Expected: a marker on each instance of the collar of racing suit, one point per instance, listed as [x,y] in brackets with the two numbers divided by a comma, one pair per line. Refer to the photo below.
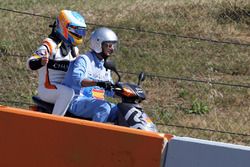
[65,49]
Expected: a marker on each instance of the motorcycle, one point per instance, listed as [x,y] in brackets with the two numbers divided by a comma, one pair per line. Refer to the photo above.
[130,113]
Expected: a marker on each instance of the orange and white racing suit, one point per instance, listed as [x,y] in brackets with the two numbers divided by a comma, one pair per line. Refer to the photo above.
[51,74]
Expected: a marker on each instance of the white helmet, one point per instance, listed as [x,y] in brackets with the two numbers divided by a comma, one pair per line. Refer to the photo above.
[101,35]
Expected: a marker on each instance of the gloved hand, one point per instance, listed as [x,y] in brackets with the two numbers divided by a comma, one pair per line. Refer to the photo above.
[104,84]
[44,60]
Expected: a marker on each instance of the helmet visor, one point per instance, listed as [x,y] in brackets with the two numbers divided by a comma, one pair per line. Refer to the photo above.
[77,31]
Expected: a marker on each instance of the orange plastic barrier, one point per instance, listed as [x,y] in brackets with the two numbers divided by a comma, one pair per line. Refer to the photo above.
[29,138]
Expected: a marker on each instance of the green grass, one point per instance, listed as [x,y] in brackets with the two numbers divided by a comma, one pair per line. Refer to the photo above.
[168,100]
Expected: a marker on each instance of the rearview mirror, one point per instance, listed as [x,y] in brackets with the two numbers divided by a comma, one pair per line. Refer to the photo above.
[111,66]
[141,78]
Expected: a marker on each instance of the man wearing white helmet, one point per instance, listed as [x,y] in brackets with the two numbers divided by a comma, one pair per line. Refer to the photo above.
[89,78]
[52,59]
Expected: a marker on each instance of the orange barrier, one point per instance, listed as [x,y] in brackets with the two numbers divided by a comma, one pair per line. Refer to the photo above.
[29,138]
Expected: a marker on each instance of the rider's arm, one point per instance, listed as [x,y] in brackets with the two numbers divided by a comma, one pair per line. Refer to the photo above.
[35,64]
[38,59]
[86,83]
[79,76]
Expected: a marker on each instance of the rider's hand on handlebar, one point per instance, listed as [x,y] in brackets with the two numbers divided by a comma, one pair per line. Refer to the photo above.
[107,85]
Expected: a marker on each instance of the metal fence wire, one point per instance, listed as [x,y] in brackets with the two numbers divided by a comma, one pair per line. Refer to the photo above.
[195,86]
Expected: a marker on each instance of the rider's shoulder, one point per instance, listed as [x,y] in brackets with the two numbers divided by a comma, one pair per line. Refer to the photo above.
[49,41]
[50,44]
[82,57]
[87,56]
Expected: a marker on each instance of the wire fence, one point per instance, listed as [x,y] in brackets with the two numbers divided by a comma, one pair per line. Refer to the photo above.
[136,29]
[244,85]
[186,106]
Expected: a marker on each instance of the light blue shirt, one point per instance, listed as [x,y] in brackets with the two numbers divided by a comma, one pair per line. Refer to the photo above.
[88,67]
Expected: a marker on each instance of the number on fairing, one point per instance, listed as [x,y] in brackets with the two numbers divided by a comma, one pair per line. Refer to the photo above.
[136,117]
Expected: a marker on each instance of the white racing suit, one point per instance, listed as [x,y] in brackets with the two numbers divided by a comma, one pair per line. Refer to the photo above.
[51,75]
